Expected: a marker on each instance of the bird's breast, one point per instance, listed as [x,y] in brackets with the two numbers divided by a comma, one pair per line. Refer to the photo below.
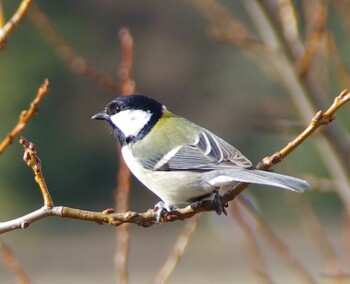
[173,187]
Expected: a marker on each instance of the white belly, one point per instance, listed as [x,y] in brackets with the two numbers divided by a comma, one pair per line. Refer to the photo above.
[173,187]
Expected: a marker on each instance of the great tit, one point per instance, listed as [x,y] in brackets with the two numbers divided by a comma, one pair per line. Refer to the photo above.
[178,160]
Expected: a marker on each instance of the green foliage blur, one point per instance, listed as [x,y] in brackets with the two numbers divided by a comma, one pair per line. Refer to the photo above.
[213,84]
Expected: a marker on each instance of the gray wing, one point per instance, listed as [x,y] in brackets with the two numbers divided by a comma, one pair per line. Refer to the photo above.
[208,152]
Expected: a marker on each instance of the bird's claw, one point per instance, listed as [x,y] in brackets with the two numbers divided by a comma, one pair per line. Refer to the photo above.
[218,205]
[162,208]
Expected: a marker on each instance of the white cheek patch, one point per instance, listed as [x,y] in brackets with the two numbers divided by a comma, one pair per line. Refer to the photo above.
[131,122]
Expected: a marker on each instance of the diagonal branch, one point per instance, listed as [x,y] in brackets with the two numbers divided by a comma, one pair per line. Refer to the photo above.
[277,244]
[250,239]
[177,251]
[75,62]
[13,22]
[25,116]
[313,40]
[13,264]
[225,27]
[307,216]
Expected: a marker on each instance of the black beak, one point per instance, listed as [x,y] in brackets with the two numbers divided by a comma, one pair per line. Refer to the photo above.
[101,116]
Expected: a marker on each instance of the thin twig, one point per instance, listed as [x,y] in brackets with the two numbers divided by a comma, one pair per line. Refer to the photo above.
[127,84]
[13,22]
[313,41]
[127,87]
[31,158]
[277,244]
[177,251]
[122,237]
[25,116]
[76,63]
[12,262]
[2,15]
[259,266]
[290,25]
[225,27]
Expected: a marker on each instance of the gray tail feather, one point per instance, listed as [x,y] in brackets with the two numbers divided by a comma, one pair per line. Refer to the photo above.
[264,178]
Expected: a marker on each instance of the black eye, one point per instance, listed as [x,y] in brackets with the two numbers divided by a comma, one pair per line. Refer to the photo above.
[113,108]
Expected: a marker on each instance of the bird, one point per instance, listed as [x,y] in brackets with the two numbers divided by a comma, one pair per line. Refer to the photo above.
[178,160]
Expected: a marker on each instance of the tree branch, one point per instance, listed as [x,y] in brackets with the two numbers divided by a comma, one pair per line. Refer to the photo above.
[127,87]
[32,160]
[278,244]
[25,116]
[177,251]
[75,62]
[13,22]
[251,240]
[13,264]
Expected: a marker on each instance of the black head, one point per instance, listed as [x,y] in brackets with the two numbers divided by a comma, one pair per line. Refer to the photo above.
[132,117]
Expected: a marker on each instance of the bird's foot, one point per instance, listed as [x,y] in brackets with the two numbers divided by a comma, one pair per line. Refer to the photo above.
[162,208]
[218,205]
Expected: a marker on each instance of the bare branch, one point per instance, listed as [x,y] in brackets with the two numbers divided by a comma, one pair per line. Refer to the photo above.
[250,239]
[177,251]
[127,84]
[2,16]
[225,27]
[13,22]
[127,87]
[307,217]
[23,222]
[13,264]
[290,25]
[314,39]
[277,244]
[25,116]
[32,160]
[76,63]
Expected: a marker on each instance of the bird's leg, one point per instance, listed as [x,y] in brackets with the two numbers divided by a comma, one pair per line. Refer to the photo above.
[218,205]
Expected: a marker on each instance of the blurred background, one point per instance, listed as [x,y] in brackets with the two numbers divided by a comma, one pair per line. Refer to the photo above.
[182,60]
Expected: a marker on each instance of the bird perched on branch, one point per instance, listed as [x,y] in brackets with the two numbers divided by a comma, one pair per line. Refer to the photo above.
[179,161]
